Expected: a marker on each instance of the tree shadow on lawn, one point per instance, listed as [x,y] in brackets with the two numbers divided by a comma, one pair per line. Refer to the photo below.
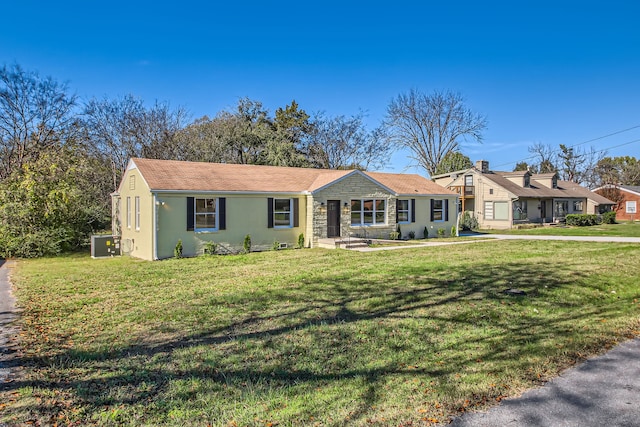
[319,342]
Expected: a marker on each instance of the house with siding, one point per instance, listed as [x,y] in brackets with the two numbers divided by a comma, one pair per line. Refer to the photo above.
[160,202]
[628,198]
[502,200]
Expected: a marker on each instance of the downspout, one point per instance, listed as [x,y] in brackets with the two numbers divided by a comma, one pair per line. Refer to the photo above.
[154,221]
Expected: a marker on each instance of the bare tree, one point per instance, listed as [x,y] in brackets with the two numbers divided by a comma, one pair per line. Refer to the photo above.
[343,142]
[431,126]
[35,113]
[571,163]
[545,156]
[123,128]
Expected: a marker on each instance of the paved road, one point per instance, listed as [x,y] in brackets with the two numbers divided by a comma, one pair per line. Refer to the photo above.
[603,391]
[8,315]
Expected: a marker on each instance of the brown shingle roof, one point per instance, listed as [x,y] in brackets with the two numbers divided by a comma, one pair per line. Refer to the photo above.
[409,183]
[566,189]
[576,190]
[174,175]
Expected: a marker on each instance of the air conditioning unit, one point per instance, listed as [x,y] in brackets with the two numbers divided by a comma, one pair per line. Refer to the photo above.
[104,245]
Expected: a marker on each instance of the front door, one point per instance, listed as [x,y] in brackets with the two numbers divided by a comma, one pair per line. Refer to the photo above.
[333,218]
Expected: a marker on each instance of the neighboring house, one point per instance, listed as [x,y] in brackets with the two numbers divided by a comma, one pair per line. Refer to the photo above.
[628,198]
[501,200]
[162,201]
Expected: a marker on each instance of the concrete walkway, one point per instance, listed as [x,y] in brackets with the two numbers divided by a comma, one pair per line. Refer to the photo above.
[478,237]
[565,238]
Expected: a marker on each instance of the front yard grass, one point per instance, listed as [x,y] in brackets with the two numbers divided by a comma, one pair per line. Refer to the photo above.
[311,337]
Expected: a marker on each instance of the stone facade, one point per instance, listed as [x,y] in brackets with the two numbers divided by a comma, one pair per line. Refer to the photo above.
[354,186]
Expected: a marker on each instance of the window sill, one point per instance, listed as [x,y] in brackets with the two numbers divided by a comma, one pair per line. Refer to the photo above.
[370,225]
[205,231]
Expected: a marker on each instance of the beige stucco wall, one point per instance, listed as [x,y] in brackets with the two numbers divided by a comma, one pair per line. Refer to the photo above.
[245,214]
[136,242]
[483,194]
[163,216]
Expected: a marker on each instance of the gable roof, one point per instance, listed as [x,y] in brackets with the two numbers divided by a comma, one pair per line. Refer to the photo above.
[631,188]
[175,175]
[565,189]
[634,189]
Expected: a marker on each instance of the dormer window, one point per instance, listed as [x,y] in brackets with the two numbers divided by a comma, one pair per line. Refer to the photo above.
[554,182]
[527,181]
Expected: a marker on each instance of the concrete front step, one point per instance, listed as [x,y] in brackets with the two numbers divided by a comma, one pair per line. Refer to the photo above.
[353,243]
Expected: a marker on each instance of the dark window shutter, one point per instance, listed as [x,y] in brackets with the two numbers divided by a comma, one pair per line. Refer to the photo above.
[190,213]
[413,210]
[431,210]
[222,218]
[296,213]
[446,209]
[397,209]
[270,212]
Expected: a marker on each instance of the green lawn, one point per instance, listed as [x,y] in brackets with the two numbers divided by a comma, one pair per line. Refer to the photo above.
[312,337]
[629,229]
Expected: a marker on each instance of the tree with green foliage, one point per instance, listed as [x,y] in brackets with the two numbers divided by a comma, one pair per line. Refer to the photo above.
[291,127]
[432,125]
[618,170]
[51,204]
[522,166]
[453,161]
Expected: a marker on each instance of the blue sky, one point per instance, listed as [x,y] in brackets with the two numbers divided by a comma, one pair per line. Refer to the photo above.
[547,71]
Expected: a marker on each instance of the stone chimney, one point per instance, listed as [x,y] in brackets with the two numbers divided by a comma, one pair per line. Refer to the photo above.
[482,166]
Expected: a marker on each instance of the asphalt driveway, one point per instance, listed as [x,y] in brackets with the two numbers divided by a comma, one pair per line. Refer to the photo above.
[602,391]
[8,329]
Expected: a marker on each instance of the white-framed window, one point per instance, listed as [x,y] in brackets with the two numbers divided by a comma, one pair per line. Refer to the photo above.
[631,207]
[437,211]
[128,212]
[496,210]
[468,180]
[578,205]
[520,210]
[404,211]
[205,214]
[137,212]
[132,182]
[368,211]
[282,209]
